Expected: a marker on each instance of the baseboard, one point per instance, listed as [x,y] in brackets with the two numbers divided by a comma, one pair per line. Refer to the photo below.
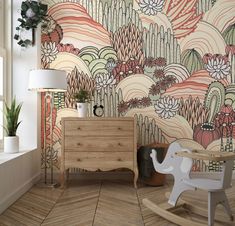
[11,198]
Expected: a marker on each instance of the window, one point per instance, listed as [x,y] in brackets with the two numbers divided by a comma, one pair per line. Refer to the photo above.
[2,68]
[2,86]
[1,23]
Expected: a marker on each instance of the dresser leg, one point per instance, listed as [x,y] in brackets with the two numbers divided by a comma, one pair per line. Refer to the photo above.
[62,176]
[67,176]
[136,174]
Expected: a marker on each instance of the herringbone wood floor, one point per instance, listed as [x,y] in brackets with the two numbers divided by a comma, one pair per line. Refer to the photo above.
[98,203]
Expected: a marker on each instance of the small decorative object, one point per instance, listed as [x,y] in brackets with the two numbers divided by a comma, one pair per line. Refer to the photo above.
[32,13]
[98,110]
[82,97]
[178,162]
[11,141]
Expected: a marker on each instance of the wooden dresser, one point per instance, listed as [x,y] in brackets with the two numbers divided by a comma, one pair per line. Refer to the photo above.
[98,144]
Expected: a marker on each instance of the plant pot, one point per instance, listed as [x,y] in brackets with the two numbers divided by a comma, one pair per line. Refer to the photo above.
[147,173]
[82,109]
[11,144]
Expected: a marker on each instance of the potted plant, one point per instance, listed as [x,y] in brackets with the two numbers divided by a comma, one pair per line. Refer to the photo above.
[82,97]
[11,141]
[32,13]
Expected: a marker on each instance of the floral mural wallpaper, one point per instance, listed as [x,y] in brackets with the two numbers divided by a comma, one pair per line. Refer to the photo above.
[169,63]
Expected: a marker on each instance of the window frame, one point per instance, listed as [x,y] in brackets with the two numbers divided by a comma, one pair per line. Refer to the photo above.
[2,24]
[3,96]
[3,54]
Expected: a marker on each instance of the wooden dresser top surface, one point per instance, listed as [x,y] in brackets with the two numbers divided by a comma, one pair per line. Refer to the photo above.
[98,118]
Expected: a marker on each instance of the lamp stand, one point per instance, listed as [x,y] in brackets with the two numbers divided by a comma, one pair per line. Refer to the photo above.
[48,152]
[48,81]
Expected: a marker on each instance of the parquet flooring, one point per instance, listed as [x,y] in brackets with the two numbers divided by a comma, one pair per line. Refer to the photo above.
[93,202]
[119,200]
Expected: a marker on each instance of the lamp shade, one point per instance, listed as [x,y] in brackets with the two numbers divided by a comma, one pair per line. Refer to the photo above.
[42,80]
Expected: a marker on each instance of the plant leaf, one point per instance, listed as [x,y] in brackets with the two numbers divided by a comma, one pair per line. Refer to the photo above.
[11,117]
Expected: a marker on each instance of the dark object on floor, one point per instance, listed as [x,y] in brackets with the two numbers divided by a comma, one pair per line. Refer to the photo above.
[147,173]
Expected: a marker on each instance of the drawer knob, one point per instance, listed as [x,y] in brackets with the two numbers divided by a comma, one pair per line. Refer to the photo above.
[79,128]
[78,144]
[119,128]
[119,159]
[119,144]
[79,160]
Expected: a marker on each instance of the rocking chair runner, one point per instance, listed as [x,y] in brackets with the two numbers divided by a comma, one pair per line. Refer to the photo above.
[178,162]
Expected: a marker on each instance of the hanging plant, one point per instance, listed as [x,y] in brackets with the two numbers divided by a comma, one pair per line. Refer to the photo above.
[32,13]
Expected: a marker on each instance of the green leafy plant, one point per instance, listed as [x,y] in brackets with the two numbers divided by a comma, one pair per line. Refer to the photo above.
[32,13]
[82,96]
[11,116]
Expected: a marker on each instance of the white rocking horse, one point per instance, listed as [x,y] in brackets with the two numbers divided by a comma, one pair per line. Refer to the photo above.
[178,162]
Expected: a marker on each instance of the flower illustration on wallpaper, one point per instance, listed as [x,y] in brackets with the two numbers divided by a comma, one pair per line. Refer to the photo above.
[155,89]
[110,65]
[145,101]
[159,73]
[151,7]
[166,107]
[218,67]
[134,103]
[48,26]
[126,68]
[48,52]
[123,107]
[160,61]
[104,80]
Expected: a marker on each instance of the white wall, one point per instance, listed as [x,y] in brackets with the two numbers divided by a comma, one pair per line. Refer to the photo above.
[23,60]
[23,170]
[17,176]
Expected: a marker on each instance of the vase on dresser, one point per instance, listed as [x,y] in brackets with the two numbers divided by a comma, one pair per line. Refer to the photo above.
[82,109]
[82,97]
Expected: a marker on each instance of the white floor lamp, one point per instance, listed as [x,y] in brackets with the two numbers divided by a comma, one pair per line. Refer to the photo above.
[48,81]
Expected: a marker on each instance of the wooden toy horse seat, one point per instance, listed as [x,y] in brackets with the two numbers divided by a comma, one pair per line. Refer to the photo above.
[178,162]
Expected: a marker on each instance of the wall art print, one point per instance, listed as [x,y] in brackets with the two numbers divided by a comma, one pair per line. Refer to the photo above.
[169,63]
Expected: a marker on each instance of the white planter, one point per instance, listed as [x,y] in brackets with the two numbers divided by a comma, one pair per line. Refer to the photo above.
[11,144]
[82,109]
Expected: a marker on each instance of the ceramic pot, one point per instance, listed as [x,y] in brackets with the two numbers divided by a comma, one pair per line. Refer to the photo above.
[82,109]
[11,144]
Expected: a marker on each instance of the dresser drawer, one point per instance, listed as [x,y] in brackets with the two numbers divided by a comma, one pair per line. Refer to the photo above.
[99,160]
[98,128]
[99,144]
